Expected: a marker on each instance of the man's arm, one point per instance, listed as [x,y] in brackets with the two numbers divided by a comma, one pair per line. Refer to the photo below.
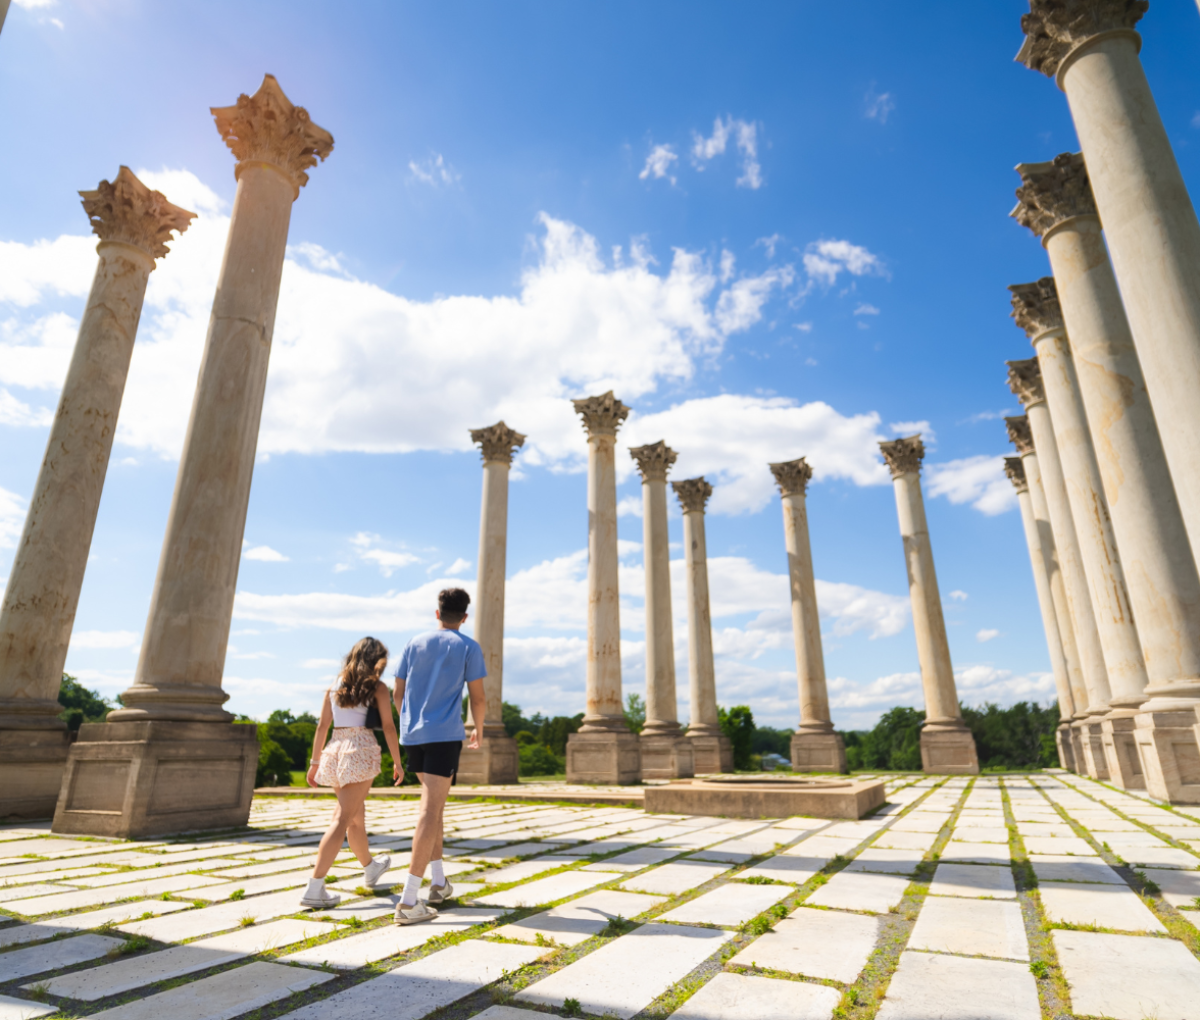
[398,693]
[478,711]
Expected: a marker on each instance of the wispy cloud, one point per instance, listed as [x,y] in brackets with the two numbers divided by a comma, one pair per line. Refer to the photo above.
[825,261]
[986,635]
[959,596]
[389,561]
[434,171]
[978,480]
[877,105]
[866,309]
[264,554]
[658,164]
[745,138]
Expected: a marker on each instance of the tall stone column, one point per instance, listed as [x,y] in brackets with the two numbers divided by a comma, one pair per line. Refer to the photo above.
[1090,49]
[1021,436]
[1055,202]
[815,746]
[946,743]
[496,760]
[38,612]
[712,751]
[604,750]
[1036,310]
[172,758]
[1025,381]
[1041,582]
[664,751]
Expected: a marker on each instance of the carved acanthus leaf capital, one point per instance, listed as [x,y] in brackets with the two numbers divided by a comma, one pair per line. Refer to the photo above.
[1014,467]
[1035,307]
[904,456]
[1025,380]
[498,442]
[266,127]
[1055,27]
[1020,434]
[126,210]
[1051,193]
[792,476]
[602,415]
[653,460]
[693,493]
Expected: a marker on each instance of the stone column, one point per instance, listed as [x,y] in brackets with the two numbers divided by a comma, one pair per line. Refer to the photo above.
[712,751]
[1160,570]
[1090,49]
[603,751]
[946,743]
[1041,582]
[496,760]
[664,751]
[183,763]
[1025,380]
[815,747]
[42,595]
[1037,312]
[1021,436]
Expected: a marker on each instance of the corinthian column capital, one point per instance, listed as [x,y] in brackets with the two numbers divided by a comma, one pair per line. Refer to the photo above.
[1014,467]
[1019,432]
[602,415]
[904,456]
[1052,193]
[792,476]
[497,442]
[1055,27]
[267,128]
[653,460]
[1035,307]
[1025,381]
[127,211]
[693,494]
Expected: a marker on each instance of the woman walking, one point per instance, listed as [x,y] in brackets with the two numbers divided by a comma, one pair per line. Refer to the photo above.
[350,763]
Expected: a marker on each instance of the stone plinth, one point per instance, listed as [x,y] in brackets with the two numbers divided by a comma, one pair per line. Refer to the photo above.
[494,763]
[949,750]
[603,756]
[711,753]
[818,752]
[1066,749]
[754,797]
[31,771]
[135,779]
[1121,751]
[1168,742]
[666,757]
[1091,748]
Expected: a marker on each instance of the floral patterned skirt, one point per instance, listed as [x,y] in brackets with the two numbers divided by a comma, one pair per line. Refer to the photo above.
[351,756]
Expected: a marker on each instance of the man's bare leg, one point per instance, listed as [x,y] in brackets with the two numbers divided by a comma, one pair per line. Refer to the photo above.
[427,839]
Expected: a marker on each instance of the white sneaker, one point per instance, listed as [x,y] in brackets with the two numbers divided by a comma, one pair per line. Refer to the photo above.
[373,872]
[324,902]
[439,894]
[414,914]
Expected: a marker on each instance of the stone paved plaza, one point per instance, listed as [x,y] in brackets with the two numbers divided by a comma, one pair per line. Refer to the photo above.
[1012,898]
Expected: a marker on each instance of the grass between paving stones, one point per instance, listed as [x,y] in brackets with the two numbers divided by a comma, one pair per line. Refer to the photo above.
[1174,841]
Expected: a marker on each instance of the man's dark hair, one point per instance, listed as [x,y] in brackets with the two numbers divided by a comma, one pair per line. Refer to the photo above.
[452,604]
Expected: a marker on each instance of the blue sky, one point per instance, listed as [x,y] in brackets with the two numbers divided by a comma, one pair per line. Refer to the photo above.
[775,230]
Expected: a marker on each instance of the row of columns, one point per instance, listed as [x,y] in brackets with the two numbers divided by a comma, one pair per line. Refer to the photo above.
[1117,343]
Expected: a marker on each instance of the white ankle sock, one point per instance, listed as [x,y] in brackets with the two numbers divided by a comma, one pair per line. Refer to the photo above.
[436,875]
[412,885]
[316,887]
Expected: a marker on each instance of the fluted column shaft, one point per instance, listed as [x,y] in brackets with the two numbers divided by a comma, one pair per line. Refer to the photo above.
[603,708]
[662,716]
[702,683]
[489,594]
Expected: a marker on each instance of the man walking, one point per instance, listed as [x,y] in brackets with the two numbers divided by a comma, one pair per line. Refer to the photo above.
[429,681]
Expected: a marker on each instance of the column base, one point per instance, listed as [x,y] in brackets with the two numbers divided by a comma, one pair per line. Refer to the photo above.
[137,779]
[32,763]
[495,762]
[818,752]
[949,749]
[711,754]
[604,756]
[1077,749]
[1066,748]
[1091,737]
[1169,743]
[666,757]
[1121,752]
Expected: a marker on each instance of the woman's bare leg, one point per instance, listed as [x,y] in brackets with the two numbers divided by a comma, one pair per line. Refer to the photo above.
[351,800]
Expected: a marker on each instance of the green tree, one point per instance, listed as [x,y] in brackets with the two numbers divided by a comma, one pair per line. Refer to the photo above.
[553,733]
[635,713]
[274,764]
[737,724]
[769,740]
[80,704]
[534,759]
[894,743]
[1018,737]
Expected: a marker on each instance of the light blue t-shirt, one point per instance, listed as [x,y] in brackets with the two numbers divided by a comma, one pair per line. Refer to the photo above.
[434,668]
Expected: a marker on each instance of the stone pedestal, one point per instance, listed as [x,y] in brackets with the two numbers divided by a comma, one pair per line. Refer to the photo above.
[1167,742]
[603,756]
[136,779]
[495,762]
[712,753]
[949,750]
[1066,749]
[31,771]
[1121,750]
[666,757]
[1091,750]
[818,752]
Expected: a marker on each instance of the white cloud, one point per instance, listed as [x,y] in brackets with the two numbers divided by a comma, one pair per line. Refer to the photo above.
[12,518]
[740,306]
[986,635]
[866,309]
[978,480]
[769,244]
[745,136]
[434,171]
[321,664]
[727,265]
[959,596]
[877,105]
[33,5]
[104,639]
[264,554]
[704,149]
[1196,119]
[804,327]
[459,566]
[367,547]
[658,163]
[825,260]
[629,506]
[912,428]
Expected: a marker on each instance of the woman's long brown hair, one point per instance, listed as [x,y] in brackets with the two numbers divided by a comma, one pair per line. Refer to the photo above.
[356,682]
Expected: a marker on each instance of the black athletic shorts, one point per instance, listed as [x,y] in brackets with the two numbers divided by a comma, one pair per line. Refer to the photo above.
[437,759]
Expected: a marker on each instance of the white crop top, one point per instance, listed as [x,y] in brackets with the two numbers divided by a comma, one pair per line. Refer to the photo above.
[355,715]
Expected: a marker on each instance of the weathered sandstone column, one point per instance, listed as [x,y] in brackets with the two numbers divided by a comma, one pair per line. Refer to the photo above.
[1037,312]
[1021,436]
[183,763]
[1041,582]
[496,759]
[603,751]
[1025,381]
[1160,571]
[665,753]
[711,749]
[946,743]
[1090,49]
[815,747]
[38,613]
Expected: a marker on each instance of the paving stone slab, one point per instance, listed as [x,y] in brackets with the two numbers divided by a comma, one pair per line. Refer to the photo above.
[20,963]
[359,950]
[1106,906]
[816,943]
[906,840]
[125,877]
[822,846]
[190,924]
[722,856]
[980,833]
[1179,888]
[1155,856]
[39,905]
[615,978]
[578,920]
[917,823]
[21,1009]
[44,847]
[886,861]
[860,891]
[415,990]
[1127,977]
[605,846]
[976,853]
[546,890]
[971,927]
[973,880]
[519,850]
[728,905]
[273,883]
[525,870]
[676,878]
[746,997]
[1060,868]
[636,860]
[21,892]
[1072,846]
[929,986]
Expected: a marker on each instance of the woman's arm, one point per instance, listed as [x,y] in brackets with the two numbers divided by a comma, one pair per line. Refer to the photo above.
[383,699]
[319,740]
